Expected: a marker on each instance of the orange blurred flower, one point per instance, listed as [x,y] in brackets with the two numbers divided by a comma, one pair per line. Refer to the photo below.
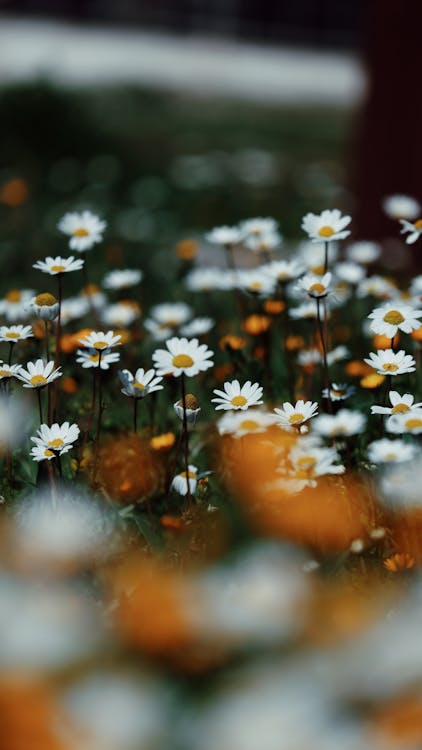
[232,342]
[373,380]
[187,249]
[29,716]
[254,325]
[274,306]
[399,721]
[163,442]
[398,562]
[417,335]
[382,342]
[293,343]
[68,385]
[358,369]
[14,192]
[128,469]
[222,372]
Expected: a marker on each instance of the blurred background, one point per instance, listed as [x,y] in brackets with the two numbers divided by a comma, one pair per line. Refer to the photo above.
[171,117]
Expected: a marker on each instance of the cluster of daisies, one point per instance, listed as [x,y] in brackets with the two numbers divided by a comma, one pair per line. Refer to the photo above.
[304,288]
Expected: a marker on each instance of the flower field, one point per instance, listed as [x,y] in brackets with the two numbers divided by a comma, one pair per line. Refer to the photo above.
[211,517]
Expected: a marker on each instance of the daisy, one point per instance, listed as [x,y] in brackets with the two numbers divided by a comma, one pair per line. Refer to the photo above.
[401,207]
[316,287]
[313,256]
[74,308]
[15,304]
[140,384]
[119,315]
[343,424]
[192,408]
[327,227]
[91,358]
[225,236]
[410,423]
[310,462]
[13,334]
[180,483]
[53,441]
[167,317]
[45,306]
[376,286]
[413,231]
[255,281]
[351,273]
[389,319]
[363,252]
[236,396]
[258,227]
[38,374]
[338,391]
[84,229]
[264,242]
[54,266]
[306,311]
[309,357]
[337,354]
[197,327]
[93,296]
[209,279]
[399,404]
[282,271]
[388,362]
[239,424]
[99,340]
[390,451]
[122,279]
[290,416]
[182,356]
[8,371]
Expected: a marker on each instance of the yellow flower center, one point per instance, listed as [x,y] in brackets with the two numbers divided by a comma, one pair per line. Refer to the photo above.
[326,231]
[56,443]
[390,367]
[338,393]
[14,295]
[296,418]
[94,358]
[137,384]
[5,374]
[182,360]
[48,453]
[100,345]
[170,323]
[394,317]
[317,270]
[191,474]
[37,380]
[81,232]
[12,335]
[45,300]
[306,463]
[58,269]
[400,409]
[413,424]
[418,224]
[255,286]
[391,456]
[249,424]
[238,401]
[318,288]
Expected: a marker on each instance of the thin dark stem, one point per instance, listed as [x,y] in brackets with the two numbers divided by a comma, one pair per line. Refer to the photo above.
[47,340]
[135,415]
[186,438]
[39,404]
[58,337]
[59,465]
[286,331]
[100,400]
[11,345]
[324,354]
[173,468]
[326,246]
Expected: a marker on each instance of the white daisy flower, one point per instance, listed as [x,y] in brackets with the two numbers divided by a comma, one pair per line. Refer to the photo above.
[351,273]
[38,374]
[180,482]
[209,280]
[45,306]
[197,327]
[309,357]
[15,304]
[388,362]
[84,229]
[225,236]
[337,354]
[399,404]
[390,451]
[343,424]
[376,286]
[91,358]
[182,356]
[54,440]
[310,462]
[327,226]
[140,384]
[8,371]
[158,331]
[258,227]
[364,252]
[13,334]
[100,341]
[119,315]
[192,409]
[236,396]
[409,424]
[282,271]
[316,287]
[313,256]
[171,314]
[263,243]
[401,207]
[413,231]
[93,296]
[239,424]
[122,279]
[306,311]
[338,391]
[389,319]
[255,281]
[290,417]
[54,266]
[74,308]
